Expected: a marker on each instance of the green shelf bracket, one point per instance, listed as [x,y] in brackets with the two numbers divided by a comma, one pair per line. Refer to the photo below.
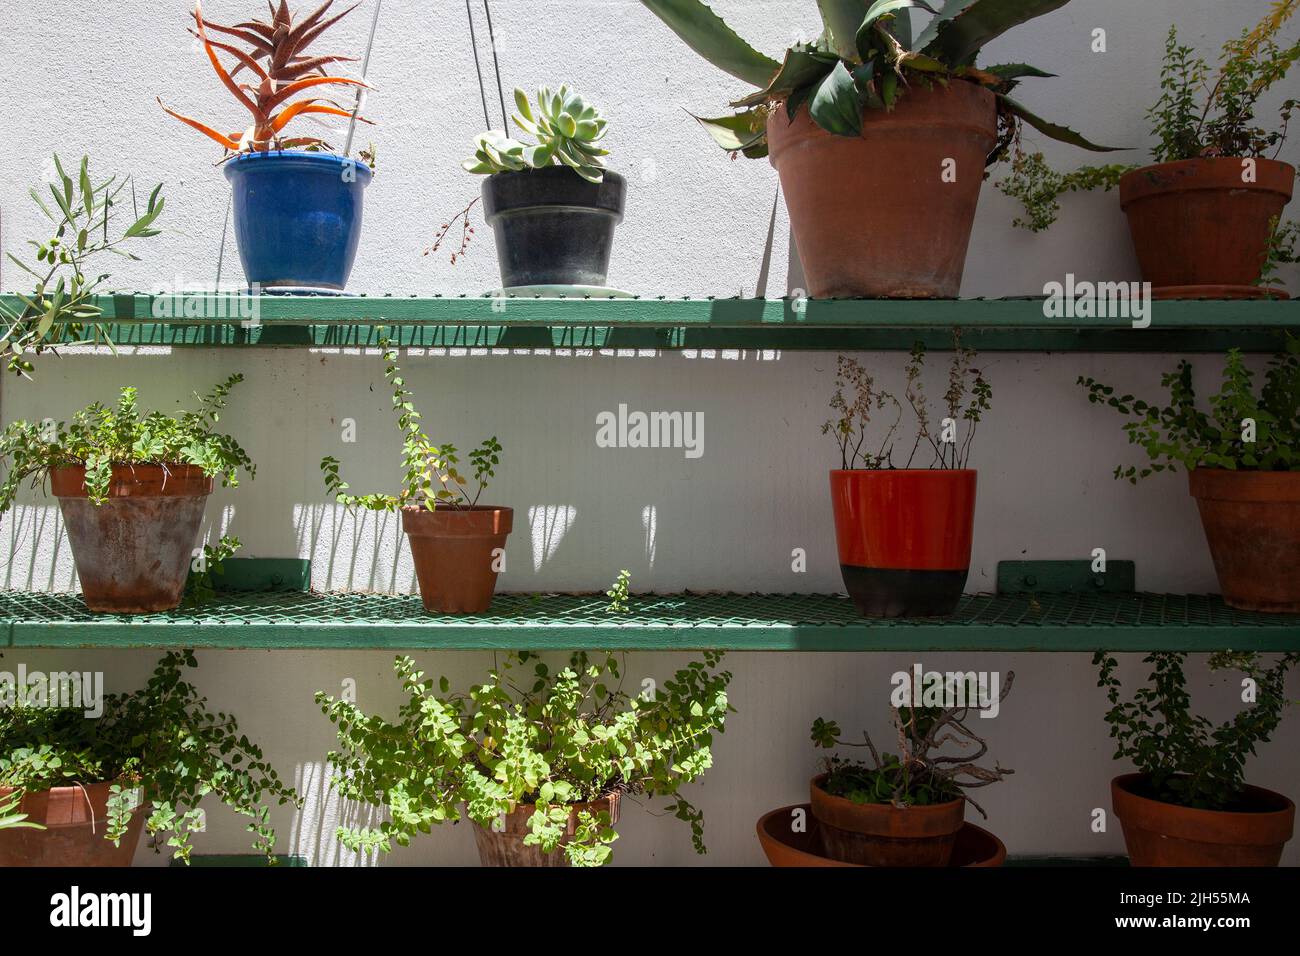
[1065,577]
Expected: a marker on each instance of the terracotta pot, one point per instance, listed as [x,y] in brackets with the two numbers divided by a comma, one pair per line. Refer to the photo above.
[453,551]
[872,215]
[880,834]
[1196,223]
[1252,524]
[785,846]
[1165,834]
[505,847]
[904,538]
[75,819]
[133,552]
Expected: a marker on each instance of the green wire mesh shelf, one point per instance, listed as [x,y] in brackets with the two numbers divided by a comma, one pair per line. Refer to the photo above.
[1011,622]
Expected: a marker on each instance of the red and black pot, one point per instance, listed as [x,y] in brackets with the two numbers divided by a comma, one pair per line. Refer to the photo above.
[904,538]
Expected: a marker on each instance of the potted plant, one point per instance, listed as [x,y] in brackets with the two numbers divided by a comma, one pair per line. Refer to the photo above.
[1243,467]
[94,783]
[880,137]
[457,543]
[1205,214]
[904,534]
[297,205]
[1188,804]
[902,809]
[132,488]
[537,757]
[84,225]
[552,205]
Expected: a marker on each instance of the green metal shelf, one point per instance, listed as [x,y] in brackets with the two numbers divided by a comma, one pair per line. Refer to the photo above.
[663,323]
[757,622]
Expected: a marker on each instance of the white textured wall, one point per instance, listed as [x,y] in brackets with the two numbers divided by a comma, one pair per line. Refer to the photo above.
[82,77]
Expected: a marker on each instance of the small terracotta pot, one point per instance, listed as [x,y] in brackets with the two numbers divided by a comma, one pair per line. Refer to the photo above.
[75,819]
[1165,834]
[453,550]
[1196,224]
[872,215]
[133,552]
[904,538]
[505,847]
[1252,524]
[880,834]
[784,845]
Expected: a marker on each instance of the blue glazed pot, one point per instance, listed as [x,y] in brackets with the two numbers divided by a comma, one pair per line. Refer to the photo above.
[297,217]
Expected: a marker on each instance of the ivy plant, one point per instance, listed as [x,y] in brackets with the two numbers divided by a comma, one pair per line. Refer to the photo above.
[162,747]
[100,437]
[1188,760]
[531,734]
[432,478]
[858,398]
[1245,429]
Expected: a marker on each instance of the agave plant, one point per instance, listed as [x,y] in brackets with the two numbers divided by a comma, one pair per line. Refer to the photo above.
[866,57]
[276,57]
[568,131]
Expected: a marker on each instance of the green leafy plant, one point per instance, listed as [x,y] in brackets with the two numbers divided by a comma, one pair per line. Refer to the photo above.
[10,818]
[858,398]
[1241,431]
[568,131]
[200,586]
[161,746]
[100,437]
[618,593]
[529,735]
[432,479]
[1283,247]
[1200,112]
[866,57]
[85,227]
[1187,759]
[917,776]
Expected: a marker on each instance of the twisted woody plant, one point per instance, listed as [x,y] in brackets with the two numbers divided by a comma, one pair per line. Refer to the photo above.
[276,56]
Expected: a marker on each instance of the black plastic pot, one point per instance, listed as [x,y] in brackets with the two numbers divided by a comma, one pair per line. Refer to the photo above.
[553,227]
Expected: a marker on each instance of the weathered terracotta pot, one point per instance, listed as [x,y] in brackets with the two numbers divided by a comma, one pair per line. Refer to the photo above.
[453,551]
[505,847]
[879,834]
[783,845]
[75,819]
[1252,524]
[1165,834]
[133,552]
[872,215]
[1199,230]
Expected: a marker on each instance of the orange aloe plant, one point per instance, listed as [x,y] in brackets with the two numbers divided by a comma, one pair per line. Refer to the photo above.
[276,58]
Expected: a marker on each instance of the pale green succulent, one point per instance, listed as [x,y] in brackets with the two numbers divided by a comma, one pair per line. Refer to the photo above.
[568,131]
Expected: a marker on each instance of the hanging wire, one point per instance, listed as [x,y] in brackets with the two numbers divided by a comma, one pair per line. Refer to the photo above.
[361,90]
[473,42]
[505,117]
[478,69]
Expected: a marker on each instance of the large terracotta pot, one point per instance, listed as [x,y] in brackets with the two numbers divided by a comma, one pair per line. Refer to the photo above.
[75,819]
[872,215]
[904,538]
[133,552]
[880,834]
[1199,230]
[505,846]
[1252,524]
[453,550]
[1165,834]
[784,845]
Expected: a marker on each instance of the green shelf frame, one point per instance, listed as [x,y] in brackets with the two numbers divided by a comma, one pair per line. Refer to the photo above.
[1028,621]
[664,323]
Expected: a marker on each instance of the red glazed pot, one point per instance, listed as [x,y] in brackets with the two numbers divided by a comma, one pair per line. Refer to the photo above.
[453,551]
[75,819]
[1252,524]
[133,552]
[505,847]
[872,214]
[881,834]
[1199,230]
[904,538]
[1164,834]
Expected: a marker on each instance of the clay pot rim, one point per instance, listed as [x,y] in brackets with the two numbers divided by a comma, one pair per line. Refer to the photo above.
[175,480]
[1203,826]
[934,810]
[1243,485]
[1136,184]
[904,471]
[466,509]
